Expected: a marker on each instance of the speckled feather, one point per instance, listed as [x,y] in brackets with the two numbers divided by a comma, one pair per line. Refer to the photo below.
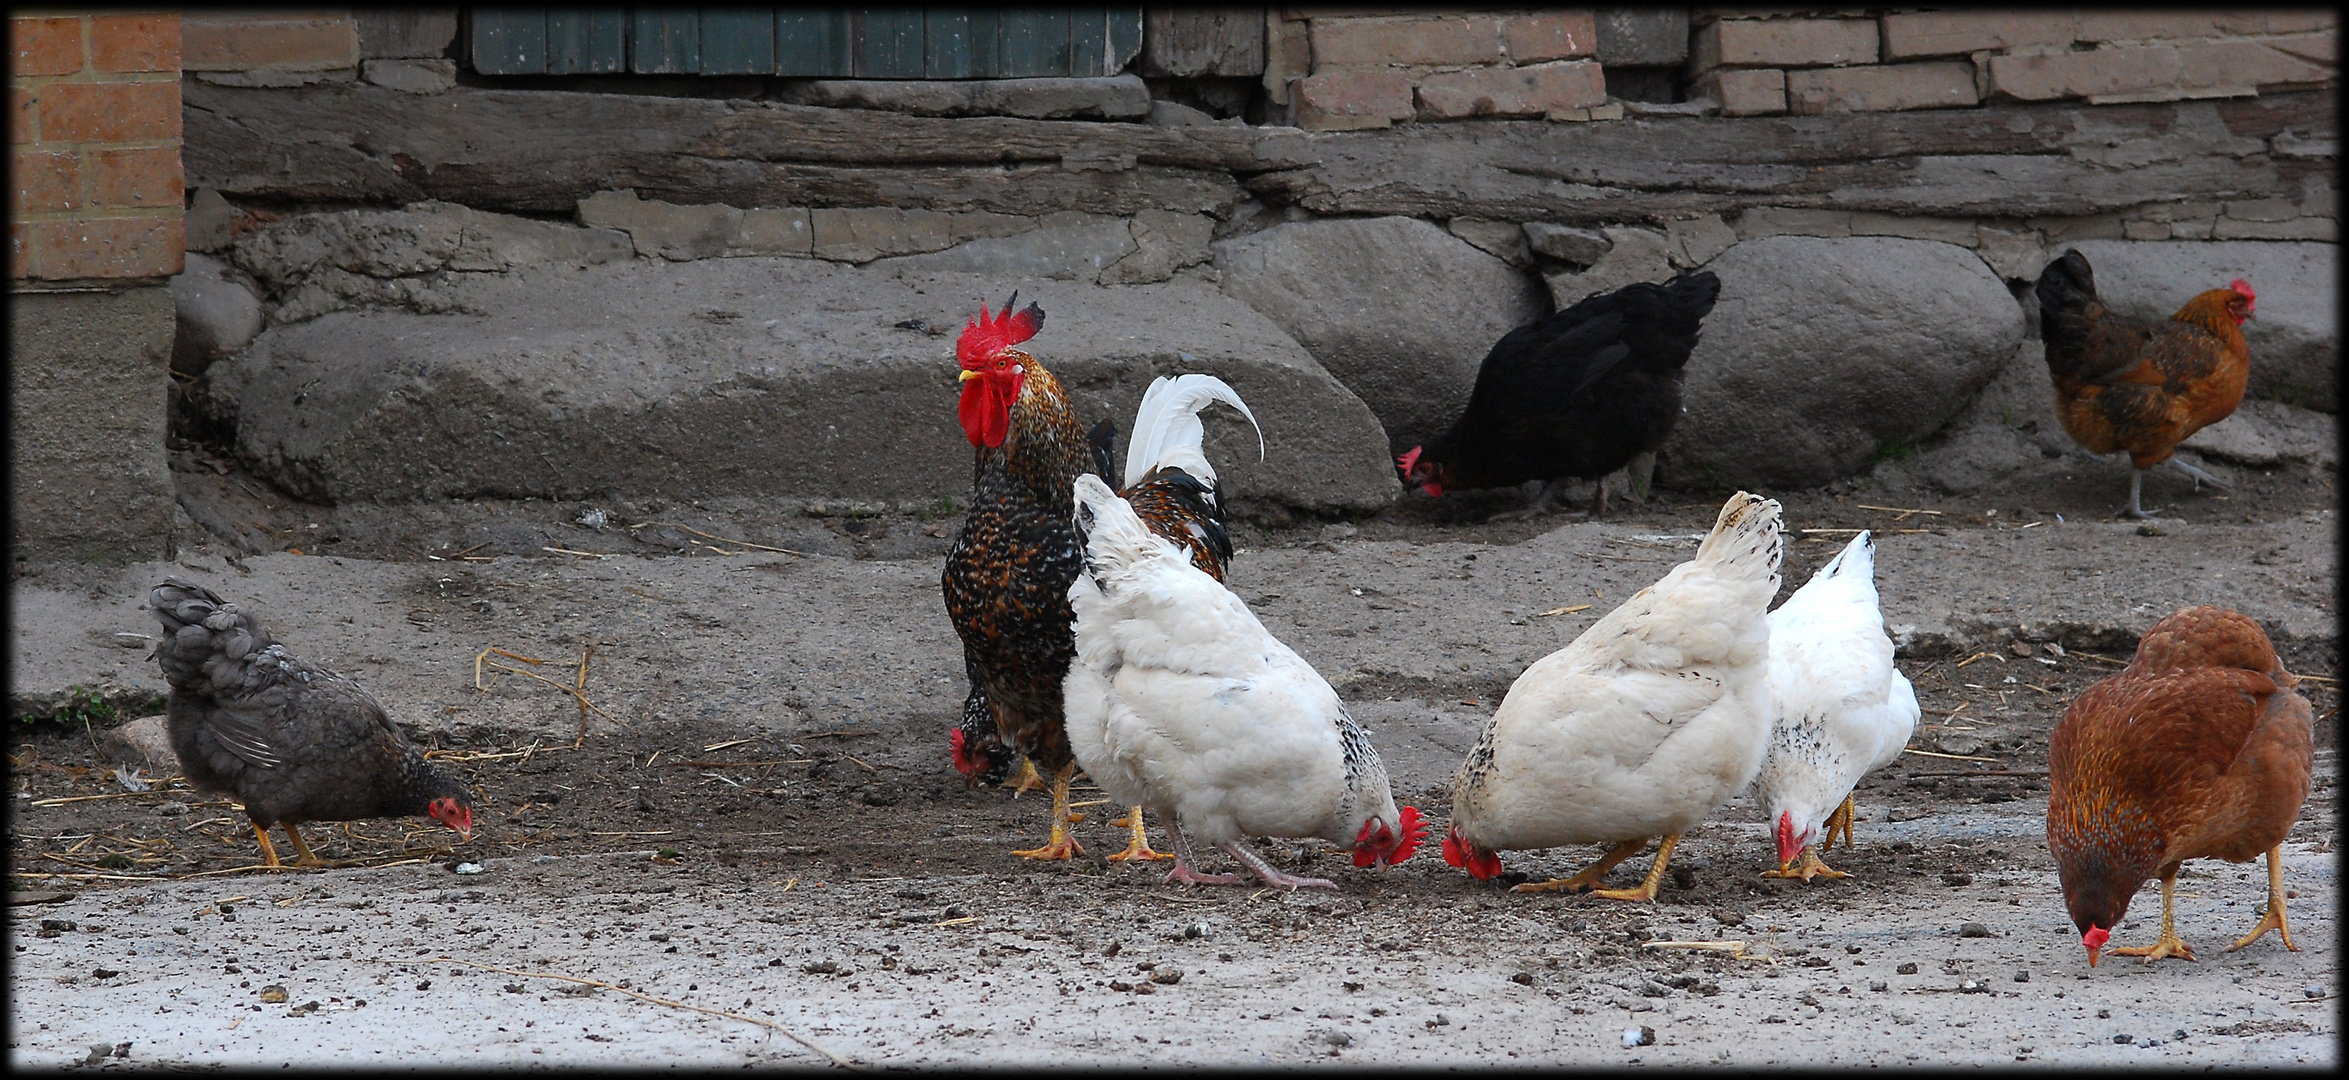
[291,740]
[2133,386]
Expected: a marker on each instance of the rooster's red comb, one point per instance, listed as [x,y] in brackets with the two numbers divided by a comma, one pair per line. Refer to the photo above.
[1414,831]
[2243,287]
[984,337]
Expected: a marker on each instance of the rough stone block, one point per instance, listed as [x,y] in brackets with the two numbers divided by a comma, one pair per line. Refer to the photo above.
[1567,243]
[1352,100]
[1783,43]
[1698,240]
[1886,88]
[1504,240]
[1643,36]
[1116,97]
[1066,246]
[1945,230]
[1340,43]
[248,40]
[1633,254]
[1956,33]
[2307,228]
[89,479]
[1549,35]
[1512,91]
[431,76]
[1763,221]
[1744,92]
[1288,56]
[213,315]
[1820,351]
[2294,334]
[1399,310]
[1187,42]
[773,231]
[386,33]
[664,229]
[2013,256]
[2248,63]
[818,381]
[208,221]
[144,743]
[868,233]
[1164,242]
[355,258]
[2050,76]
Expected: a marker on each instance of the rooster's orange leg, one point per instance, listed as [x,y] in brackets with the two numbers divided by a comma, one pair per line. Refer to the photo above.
[268,850]
[1061,845]
[306,857]
[1137,842]
[1590,874]
[1807,868]
[1029,780]
[1840,819]
[1646,889]
[2169,944]
[2275,904]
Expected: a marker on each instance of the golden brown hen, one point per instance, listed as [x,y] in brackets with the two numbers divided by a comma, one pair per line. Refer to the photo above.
[2141,387]
[2199,749]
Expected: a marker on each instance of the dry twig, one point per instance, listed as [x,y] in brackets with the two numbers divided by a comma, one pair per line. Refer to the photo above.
[769,1024]
[712,536]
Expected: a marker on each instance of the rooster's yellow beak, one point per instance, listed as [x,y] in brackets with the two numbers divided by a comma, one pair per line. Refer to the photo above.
[966,376]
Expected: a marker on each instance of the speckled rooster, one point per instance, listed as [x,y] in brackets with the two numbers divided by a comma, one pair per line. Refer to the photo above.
[1007,576]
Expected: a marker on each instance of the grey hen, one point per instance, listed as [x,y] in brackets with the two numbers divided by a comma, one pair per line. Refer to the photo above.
[291,740]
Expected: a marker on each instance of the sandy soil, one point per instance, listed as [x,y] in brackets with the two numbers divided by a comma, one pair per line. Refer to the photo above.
[776,832]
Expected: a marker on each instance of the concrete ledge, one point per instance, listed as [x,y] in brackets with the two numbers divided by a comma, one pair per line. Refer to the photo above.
[89,480]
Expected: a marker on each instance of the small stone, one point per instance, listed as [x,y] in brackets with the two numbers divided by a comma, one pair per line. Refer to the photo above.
[2312,991]
[1973,986]
[820,967]
[1167,976]
[1956,877]
[2022,975]
[1642,1035]
[273,994]
[1973,929]
[467,868]
[1196,930]
[1144,988]
[2150,530]
[662,936]
[1522,978]
[171,808]
[2123,1040]
[1338,1038]
[1909,968]
[1727,917]
[103,973]
[98,1053]
[1879,985]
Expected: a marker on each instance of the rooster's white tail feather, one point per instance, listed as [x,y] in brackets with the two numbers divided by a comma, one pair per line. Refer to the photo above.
[1167,430]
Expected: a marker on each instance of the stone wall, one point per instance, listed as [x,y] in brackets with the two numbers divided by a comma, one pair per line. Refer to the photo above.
[94,232]
[1389,166]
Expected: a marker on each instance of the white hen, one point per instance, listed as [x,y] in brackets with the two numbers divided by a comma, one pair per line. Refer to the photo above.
[1842,709]
[1181,701]
[1641,726]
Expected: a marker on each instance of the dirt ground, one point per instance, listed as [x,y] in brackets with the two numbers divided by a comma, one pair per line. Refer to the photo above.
[767,828]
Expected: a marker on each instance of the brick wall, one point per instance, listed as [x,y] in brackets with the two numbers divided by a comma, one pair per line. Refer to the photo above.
[1347,69]
[94,123]
[1757,63]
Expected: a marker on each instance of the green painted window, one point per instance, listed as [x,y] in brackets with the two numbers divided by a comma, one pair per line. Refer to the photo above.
[841,43]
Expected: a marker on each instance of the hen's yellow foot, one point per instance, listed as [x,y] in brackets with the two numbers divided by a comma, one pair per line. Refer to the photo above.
[1806,868]
[304,856]
[1028,780]
[1590,875]
[1645,891]
[268,850]
[2274,919]
[1137,841]
[1840,819]
[1060,845]
[2168,944]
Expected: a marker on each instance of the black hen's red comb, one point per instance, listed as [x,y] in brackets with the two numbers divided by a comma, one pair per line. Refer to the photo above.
[984,337]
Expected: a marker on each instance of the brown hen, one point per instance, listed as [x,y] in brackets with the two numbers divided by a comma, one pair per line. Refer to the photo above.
[2123,385]
[2199,749]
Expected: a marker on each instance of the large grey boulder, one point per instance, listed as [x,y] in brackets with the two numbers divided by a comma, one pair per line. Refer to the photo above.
[1820,353]
[754,377]
[214,314]
[412,257]
[1398,309]
[2294,333]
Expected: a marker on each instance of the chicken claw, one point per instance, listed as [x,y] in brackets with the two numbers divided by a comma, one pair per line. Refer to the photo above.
[1183,873]
[2169,944]
[1275,877]
[1806,868]
[307,857]
[1028,780]
[2275,905]
[1840,819]
[1591,874]
[268,850]
[1645,891]
[1137,842]
[1060,845]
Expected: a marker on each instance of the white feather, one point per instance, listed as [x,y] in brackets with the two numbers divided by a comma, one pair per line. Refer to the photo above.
[1181,700]
[1841,708]
[1648,720]
[1167,430]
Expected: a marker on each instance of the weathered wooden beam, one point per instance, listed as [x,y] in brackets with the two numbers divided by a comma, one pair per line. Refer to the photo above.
[542,151]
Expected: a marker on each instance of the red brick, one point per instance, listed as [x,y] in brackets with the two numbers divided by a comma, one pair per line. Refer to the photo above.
[2322,48]
[134,42]
[2082,74]
[1553,35]
[2245,63]
[1348,100]
[223,41]
[1931,85]
[47,181]
[1512,91]
[1956,33]
[144,179]
[44,46]
[1748,92]
[137,247]
[110,112]
[1361,43]
[24,114]
[1784,43]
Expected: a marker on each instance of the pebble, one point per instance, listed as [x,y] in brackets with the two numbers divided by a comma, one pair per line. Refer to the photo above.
[2312,991]
[1909,968]
[1196,930]
[1642,1035]
[1973,929]
[467,868]
[1879,985]
[1167,976]
[171,808]
[2022,975]
[1956,877]
[2123,1040]
[273,994]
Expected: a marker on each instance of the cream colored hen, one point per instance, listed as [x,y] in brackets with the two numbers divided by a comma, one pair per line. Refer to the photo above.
[1641,726]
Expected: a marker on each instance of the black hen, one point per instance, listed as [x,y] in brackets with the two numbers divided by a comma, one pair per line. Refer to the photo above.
[1579,394]
[290,740]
